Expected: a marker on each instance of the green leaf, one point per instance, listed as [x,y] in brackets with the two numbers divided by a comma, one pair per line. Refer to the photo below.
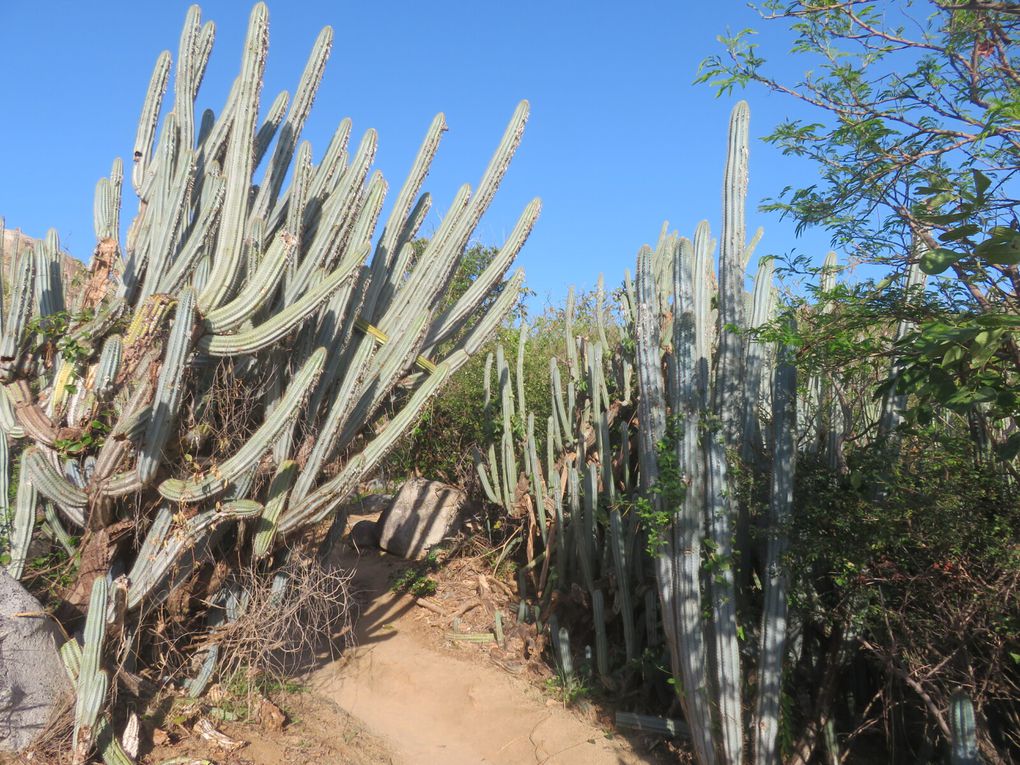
[981,184]
[1002,248]
[955,234]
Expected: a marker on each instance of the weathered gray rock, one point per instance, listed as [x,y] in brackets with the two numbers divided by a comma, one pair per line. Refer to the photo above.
[33,682]
[423,514]
[375,503]
[365,534]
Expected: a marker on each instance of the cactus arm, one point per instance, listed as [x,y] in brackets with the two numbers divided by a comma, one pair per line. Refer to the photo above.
[195,686]
[394,230]
[169,389]
[283,322]
[9,423]
[537,482]
[280,163]
[344,421]
[623,587]
[213,193]
[278,492]
[48,283]
[483,478]
[893,403]
[522,340]
[652,405]
[184,86]
[337,211]
[33,420]
[227,259]
[57,528]
[17,313]
[91,685]
[147,122]
[108,366]
[332,160]
[23,523]
[259,288]
[678,566]
[722,596]
[166,238]
[178,490]
[169,555]
[48,482]
[755,359]
[269,126]
[447,324]
[601,638]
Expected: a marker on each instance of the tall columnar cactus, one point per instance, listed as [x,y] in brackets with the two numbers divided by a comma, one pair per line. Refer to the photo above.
[711,394]
[223,277]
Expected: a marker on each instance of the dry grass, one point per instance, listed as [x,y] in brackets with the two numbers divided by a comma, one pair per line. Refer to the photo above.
[293,619]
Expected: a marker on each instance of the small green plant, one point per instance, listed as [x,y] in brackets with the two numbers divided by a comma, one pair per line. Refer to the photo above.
[569,689]
[416,580]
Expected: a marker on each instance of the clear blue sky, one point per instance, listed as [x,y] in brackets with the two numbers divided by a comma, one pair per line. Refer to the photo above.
[619,138]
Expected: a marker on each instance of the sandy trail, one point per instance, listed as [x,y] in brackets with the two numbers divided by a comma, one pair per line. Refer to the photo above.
[430,705]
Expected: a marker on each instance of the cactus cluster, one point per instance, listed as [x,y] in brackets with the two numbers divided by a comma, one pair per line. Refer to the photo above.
[571,492]
[701,378]
[277,286]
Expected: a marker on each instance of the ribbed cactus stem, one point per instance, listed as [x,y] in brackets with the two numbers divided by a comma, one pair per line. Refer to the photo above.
[537,480]
[169,389]
[45,478]
[268,523]
[963,730]
[623,584]
[17,313]
[23,523]
[727,398]
[776,584]
[92,681]
[282,323]
[722,596]
[109,365]
[598,607]
[240,156]
[147,122]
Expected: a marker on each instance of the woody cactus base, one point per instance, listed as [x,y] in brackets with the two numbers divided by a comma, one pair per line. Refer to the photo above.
[213,391]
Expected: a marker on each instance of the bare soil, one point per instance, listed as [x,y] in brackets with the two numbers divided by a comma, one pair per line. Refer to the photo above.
[412,693]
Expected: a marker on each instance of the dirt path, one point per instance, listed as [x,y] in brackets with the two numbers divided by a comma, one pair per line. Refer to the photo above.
[432,703]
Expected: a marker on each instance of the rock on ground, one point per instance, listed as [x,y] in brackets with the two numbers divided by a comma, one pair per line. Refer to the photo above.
[423,514]
[365,534]
[33,682]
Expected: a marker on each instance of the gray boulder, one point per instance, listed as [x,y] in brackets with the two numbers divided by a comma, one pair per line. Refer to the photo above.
[33,681]
[423,514]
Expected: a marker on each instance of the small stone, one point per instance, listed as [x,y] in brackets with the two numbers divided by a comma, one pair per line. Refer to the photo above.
[365,535]
[271,717]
